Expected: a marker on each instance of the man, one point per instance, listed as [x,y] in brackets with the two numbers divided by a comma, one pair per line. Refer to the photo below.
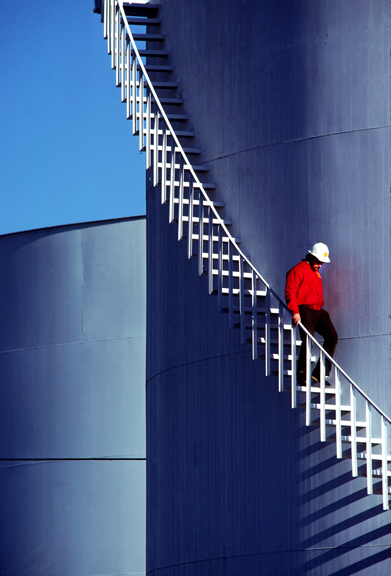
[304,297]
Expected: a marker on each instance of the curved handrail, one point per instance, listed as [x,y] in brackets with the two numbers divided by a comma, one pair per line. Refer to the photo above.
[221,223]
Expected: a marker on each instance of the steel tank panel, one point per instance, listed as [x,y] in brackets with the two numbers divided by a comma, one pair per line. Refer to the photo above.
[72,368]
[41,299]
[290,103]
[114,284]
[72,518]
[74,400]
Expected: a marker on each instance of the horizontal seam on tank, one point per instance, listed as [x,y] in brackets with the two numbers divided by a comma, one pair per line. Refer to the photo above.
[193,362]
[296,140]
[253,555]
[16,462]
[70,343]
[242,352]
[363,336]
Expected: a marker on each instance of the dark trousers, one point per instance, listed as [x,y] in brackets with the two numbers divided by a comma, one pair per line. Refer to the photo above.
[317,321]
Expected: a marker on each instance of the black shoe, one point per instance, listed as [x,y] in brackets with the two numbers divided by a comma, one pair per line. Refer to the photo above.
[326,380]
[300,378]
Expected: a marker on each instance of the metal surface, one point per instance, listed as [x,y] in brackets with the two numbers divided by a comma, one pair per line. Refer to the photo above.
[72,366]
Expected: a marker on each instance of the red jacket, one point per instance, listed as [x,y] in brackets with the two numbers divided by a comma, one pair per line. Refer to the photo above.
[303,286]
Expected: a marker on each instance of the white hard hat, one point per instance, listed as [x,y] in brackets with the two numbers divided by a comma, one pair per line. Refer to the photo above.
[320,251]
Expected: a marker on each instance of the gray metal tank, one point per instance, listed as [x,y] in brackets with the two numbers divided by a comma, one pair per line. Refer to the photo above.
[72,413]
[290,102]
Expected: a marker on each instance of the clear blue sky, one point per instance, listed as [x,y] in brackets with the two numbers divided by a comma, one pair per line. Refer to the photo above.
[67,153]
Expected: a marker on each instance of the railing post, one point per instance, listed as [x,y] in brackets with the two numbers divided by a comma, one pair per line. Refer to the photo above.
[338,431]
[201,234]
[156,145]
[384,453]
[220,268]
[123,59]
[210,249]
[112,33]
[141,111]
[164,166]
[106,18]
[353,431]
[322,398]
[172,184]
[180,200]
[368,421]
[148,130]
[241,300]
[293,367]
[267,333]
[108,24]
[280,348]
[308,381]
[190,220]
[230,286]
[254,322]
[134,94]
[117,45]
[128,78]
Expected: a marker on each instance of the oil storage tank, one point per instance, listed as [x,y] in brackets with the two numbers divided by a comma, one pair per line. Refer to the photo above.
[290,102]
[72,370]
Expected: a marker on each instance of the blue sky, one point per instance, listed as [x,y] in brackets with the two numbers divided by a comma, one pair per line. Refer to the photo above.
[67,153]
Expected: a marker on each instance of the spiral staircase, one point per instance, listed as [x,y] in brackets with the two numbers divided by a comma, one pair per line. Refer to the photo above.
[343,412]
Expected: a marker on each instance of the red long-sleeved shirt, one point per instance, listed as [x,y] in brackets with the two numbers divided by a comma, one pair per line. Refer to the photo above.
[303,286]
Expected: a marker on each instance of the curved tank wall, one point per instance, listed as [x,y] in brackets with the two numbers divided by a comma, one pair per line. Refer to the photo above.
[290,102]
[72,426]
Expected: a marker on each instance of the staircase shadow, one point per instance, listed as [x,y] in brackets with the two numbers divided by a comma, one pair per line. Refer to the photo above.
[342,531]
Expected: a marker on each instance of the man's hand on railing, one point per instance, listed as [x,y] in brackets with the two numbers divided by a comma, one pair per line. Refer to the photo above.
[296,319]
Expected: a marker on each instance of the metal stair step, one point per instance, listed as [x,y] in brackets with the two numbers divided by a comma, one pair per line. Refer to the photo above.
[328,407]
[183,133]
[205,185]
[177,150]
[215,203]
[194,151]
[156,68]
[142,21]
[315,389]
[134,9]
[195,167]
[200,167]
[359,440]
[247,293]
[169,101]
[380,492]
[154,53]
[226,221]
[149,37]
[331,423]
[235,292]
[165,85]
[375,457]
[215,239]
[378,473]
[175,117]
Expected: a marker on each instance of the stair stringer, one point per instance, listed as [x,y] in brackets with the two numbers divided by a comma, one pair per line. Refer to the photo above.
[251,303]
